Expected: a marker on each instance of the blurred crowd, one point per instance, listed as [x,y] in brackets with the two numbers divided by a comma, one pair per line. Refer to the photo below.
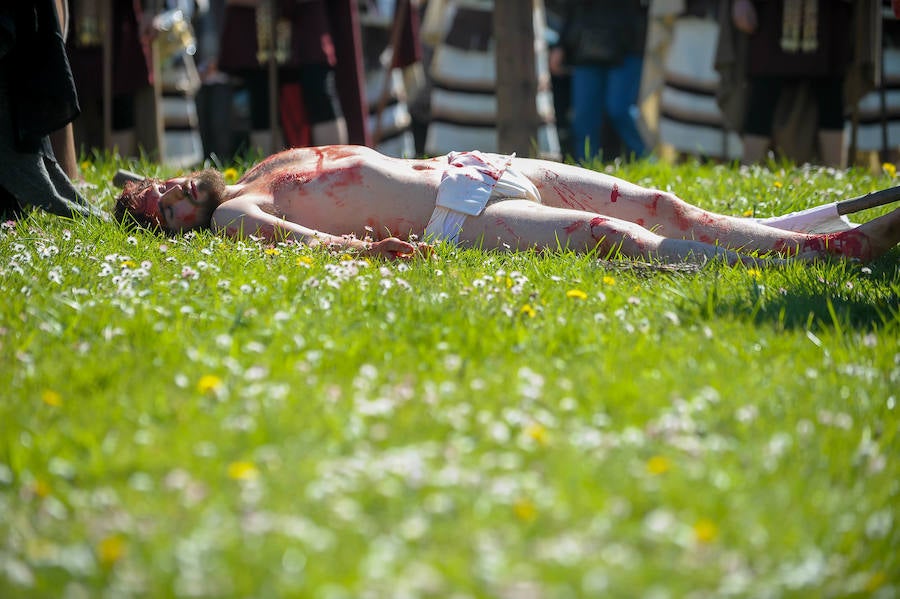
[188,81]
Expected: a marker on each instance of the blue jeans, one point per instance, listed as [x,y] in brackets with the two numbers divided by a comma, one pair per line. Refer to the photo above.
[600,91]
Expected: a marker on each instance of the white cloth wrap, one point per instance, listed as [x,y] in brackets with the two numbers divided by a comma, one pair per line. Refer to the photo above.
[474,179]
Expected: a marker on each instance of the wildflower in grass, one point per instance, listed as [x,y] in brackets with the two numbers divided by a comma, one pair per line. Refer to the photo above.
[608,280]
[525,510]
[576,294]
[230,174]
[209,383]
[85,165]
[51,398]
[748,213]
[754,273]
[110,550]
[527,310]
[128,264]
[659,464]
[876,581]
[889,169]
[40,489]
[304,261]
[705,530]
[778,184]
[242,470]
[537,433]
[272,251]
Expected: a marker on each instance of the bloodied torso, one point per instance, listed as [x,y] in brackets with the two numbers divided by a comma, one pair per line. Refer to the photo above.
[348,190]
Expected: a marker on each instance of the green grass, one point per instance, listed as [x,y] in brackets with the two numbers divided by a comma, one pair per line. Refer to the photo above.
[201,417]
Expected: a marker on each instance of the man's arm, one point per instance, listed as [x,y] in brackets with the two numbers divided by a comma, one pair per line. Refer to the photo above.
[243,217]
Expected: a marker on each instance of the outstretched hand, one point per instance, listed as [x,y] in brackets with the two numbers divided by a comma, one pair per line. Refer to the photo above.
[393,248]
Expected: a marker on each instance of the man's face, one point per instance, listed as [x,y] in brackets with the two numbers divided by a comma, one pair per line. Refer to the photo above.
[180,204]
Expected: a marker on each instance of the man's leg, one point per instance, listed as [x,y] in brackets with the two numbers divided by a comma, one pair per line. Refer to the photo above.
[572,187]
[522,225]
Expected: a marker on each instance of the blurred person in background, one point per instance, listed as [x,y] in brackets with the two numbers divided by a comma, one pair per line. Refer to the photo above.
[805,64]
[317,49]
[602,45]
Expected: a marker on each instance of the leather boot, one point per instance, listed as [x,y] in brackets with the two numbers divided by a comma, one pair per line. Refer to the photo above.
[832,151]
[264,142]
[330,133]
[756,149]
[124,142]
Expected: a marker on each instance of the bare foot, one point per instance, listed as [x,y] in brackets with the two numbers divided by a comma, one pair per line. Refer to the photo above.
[866,242]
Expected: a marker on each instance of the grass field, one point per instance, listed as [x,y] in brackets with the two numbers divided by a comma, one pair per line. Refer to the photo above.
[200,417]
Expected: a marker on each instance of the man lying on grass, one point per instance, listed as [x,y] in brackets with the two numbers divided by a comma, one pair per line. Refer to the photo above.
[353,197]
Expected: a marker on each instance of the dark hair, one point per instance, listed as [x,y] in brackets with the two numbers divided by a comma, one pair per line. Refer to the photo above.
[131,210]
[128,209]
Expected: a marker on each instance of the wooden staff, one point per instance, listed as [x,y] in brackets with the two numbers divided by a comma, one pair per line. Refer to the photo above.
[393,44]
[106,26]
[273,80]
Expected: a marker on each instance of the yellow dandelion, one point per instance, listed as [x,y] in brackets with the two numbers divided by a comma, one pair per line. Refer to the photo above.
[41,488]
[86,165]
[659,464]
[128,264]
[230,175]
[576,294]
[889,169]
[527,310]
[304,260]
[778,184]
[754,273]
[538,434]
[525,510]
[876,581]
[51,398]
[705,530]
[608,280]
[110,550]
[209,383]
[748,212]
[509,282]
[242,470]
[272,251]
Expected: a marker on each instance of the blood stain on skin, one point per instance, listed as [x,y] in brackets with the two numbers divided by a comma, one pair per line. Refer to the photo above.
[500,222]
[573,227]
[336,152]
[851,243]
[614,194]
[566,195]
[654,204]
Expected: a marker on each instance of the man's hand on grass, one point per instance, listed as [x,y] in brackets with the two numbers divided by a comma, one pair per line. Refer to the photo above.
[393,248]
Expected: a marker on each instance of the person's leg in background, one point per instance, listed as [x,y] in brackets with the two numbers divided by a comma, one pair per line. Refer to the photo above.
[829,93]
[761,101]
[588,91]
[322,104]
[623,85]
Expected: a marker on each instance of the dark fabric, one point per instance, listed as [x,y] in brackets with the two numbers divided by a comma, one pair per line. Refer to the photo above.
[316,84]
[603,32]
[31,178]
[323,32]
[765,93]
[43,98]
[831,58]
